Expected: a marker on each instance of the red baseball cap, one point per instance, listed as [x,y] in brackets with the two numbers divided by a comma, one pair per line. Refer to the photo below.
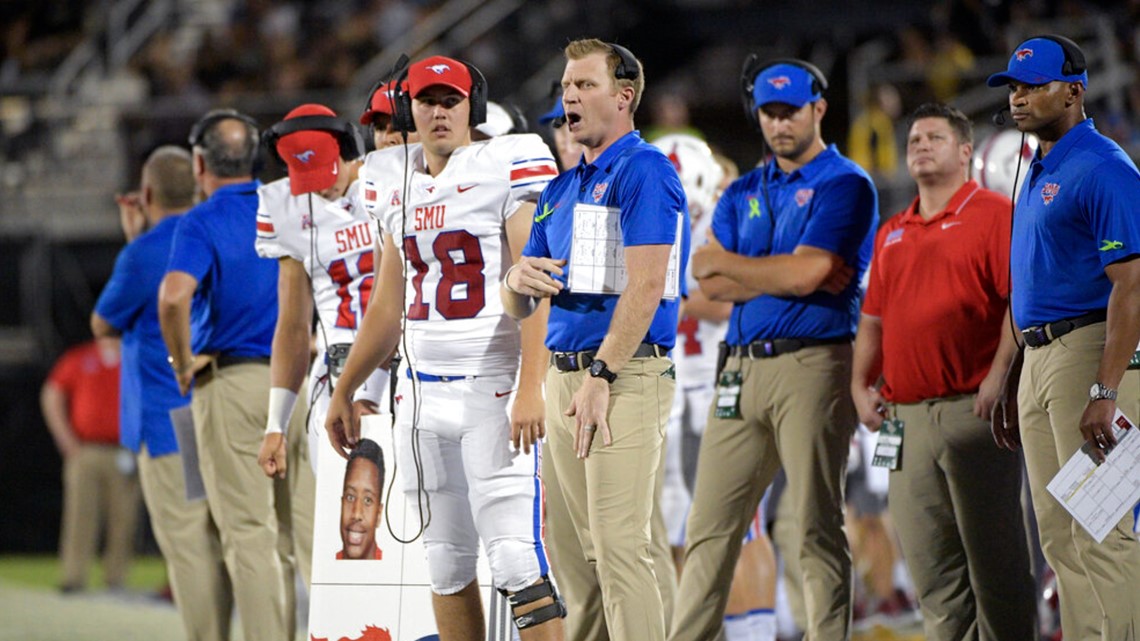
[439,70]
[312,155]
[379,103]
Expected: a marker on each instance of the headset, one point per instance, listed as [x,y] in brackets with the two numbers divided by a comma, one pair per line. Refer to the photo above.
[627,68]
[753,67]
[198,131]
[1074,64]
[347,135]
[402,119]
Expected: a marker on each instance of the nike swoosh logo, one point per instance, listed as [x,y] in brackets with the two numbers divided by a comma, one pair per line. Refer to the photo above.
[336,169]
[462,189]
[547,210]
[1109,245]
[949,225]
[502,394]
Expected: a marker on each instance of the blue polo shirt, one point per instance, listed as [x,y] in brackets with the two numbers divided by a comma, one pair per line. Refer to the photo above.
[214,243]
[129,303]
[1076,215]
[829,203]
[637,178]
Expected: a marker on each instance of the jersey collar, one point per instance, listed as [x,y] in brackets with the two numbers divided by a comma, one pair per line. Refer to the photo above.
[1067,143]
[237,188]
[813,168]
[605,161]
[964,194]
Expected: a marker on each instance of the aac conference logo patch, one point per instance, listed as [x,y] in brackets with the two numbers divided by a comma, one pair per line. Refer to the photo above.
[1049,192]
[599,191]
[803,196]
[893,237]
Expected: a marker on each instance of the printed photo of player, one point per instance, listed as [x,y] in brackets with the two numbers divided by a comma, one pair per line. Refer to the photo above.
[361,506]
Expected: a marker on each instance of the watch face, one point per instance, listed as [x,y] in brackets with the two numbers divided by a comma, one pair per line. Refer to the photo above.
[1094,389]
[596,367]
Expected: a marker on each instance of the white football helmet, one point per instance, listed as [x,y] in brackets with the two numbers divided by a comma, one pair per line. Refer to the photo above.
[995,161]
[700,174]
[498,123]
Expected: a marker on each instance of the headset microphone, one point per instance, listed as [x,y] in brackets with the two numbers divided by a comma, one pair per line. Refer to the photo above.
[999,118]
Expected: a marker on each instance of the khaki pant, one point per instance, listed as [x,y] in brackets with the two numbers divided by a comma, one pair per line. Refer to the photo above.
[97,497]
[795,411]
[266,525]
[577,577]
[956,505]
[1099,584]
[191,547]
[610,495]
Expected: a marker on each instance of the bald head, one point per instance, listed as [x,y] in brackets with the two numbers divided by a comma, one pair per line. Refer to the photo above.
[228,144]
[168,179]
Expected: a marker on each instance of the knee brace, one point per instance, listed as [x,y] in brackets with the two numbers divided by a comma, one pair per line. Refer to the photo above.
[555,610]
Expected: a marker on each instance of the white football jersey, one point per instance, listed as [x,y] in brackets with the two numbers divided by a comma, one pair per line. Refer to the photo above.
[450,230]
[697,340]
[335,243]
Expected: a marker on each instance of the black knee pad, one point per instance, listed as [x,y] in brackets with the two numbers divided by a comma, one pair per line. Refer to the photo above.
[556,610]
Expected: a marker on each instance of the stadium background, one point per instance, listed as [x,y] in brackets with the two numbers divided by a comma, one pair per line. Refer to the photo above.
[88,89]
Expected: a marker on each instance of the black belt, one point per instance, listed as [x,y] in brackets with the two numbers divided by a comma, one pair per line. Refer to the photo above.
[778,346]
[223,361]
[575,361]
[1041,335]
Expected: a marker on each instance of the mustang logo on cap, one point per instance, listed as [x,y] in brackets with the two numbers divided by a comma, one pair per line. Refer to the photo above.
[305,156]
[1022,54]
[440,69]
[779,82]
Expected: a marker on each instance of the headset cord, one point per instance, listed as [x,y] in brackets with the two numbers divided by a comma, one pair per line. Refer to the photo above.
[1012,211]
[423,499]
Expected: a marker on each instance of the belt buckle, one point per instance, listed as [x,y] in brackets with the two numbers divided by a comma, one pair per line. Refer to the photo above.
[1039,334]
[769,349]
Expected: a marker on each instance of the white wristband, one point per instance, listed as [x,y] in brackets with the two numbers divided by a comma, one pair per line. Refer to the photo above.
[373,388]
[281,402]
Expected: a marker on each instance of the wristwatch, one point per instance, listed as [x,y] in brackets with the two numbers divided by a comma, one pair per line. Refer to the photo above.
[176,368]
[598,369]
[1099,392]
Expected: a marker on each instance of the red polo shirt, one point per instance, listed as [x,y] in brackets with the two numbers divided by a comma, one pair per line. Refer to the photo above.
[92,390]
[940,287]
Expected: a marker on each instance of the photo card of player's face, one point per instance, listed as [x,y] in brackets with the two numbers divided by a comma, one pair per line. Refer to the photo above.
[384,593]
[361,506]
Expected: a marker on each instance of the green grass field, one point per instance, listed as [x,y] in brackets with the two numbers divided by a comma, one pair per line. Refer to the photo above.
[42,571]
[34,610]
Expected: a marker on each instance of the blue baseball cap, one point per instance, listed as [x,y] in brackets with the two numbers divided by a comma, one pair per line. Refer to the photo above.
[786,83]
[1037,61]
[557,112]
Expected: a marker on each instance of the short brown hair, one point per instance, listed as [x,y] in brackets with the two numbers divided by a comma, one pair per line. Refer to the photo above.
[170,175]
[579,49]
[961,125]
